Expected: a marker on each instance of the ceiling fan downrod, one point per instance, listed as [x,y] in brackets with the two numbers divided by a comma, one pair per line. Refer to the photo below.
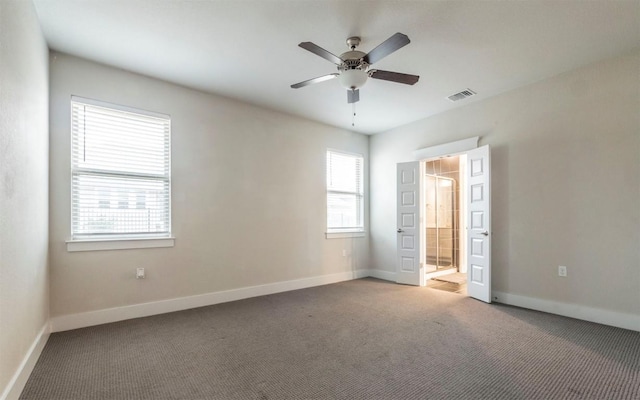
[353,42]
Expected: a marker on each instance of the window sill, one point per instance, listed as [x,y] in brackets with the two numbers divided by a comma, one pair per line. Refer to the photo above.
[118,244]
[339,235]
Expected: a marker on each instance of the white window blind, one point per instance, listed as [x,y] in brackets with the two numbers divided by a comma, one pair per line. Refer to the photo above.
[345,192]
[120,172]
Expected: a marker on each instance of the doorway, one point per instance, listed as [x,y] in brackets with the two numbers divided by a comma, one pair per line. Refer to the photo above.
[444,213]
[474,200]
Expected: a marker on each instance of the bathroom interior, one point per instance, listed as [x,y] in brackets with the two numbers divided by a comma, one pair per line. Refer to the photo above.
[444,262]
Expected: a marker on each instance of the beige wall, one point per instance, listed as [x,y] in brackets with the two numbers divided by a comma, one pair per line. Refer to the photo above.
[24,295]
[566,184]
[248,189]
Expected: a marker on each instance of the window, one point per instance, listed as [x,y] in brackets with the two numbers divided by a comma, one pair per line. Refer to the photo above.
[345,192]
[120,172]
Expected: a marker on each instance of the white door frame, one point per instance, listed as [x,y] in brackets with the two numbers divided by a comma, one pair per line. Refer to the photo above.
[447,149]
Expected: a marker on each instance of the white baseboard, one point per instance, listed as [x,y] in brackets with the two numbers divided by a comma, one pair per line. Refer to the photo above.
[606,317]
[380,274]
[16,384]
[81,320]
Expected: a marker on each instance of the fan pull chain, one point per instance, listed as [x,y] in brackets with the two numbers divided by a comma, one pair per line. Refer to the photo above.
[353,117]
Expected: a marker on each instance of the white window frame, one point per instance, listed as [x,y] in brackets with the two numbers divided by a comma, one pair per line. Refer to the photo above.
[122,241]
[342,232]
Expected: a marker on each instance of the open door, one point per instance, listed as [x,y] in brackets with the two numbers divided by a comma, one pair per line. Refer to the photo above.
[479,224]
[409,269]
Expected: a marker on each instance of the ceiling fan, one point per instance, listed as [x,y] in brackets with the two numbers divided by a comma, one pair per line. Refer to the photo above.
[353,65]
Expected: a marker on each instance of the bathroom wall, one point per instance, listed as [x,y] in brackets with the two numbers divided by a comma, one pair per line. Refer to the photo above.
[446,236]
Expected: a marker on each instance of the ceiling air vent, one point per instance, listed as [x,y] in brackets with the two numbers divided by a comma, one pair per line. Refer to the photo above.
[461,95]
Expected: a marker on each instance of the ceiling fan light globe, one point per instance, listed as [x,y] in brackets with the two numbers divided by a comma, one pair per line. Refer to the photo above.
[353,78]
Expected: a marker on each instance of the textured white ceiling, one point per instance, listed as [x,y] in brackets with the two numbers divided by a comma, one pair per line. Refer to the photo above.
[247,49]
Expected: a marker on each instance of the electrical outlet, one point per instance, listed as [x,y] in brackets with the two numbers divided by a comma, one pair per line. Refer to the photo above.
[562,270]
[140,273]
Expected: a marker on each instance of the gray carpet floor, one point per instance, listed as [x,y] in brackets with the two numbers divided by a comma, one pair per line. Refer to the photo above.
[363,339]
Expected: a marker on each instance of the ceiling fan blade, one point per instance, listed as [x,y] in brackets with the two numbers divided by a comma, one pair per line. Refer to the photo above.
[314,80]
[394,77]
[353,96]
[317,50]
[387,47]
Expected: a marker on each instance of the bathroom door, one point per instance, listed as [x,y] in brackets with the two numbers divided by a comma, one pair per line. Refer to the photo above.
[479,223]
[408,266]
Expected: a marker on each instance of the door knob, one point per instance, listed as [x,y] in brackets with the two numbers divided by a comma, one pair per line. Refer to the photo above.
[400,230]
[485,233]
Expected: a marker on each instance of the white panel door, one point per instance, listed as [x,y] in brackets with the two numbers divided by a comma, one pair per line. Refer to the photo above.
[408,268]
[479,224]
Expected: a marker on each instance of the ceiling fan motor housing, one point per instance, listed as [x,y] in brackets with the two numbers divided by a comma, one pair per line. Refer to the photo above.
[353,70]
